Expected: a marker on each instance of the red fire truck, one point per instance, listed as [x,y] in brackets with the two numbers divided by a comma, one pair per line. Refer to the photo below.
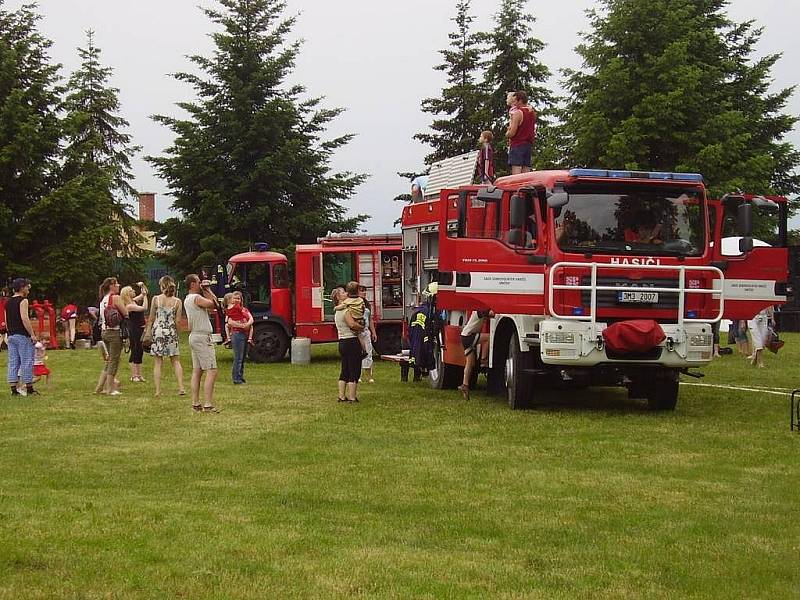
[564,258]
[375,261]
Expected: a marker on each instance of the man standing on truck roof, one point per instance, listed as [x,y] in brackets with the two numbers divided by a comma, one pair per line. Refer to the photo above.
[521,132]
[418,185]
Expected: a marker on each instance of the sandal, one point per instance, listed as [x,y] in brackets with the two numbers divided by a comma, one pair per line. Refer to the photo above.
[181,392]
[342,400]
[210,409]
[464,389]
[197,407]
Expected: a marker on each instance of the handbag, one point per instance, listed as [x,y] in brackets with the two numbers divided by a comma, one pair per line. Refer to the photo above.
[147,336]
[774,342]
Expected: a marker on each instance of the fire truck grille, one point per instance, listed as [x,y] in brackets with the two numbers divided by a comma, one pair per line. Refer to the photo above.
[610,298]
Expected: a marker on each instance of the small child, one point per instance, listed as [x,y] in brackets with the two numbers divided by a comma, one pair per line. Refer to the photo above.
[484,166]
[234,311]
[356,307]
[40,358]
[226,302]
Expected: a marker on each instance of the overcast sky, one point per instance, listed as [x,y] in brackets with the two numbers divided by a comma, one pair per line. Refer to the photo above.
[372,57]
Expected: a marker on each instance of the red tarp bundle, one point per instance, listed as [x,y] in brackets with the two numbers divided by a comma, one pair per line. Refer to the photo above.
[638,335]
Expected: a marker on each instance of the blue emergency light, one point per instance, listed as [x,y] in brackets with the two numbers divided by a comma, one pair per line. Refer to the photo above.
[261,246]
[611,174]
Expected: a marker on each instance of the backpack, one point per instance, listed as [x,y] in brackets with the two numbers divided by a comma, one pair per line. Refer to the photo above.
[111,315]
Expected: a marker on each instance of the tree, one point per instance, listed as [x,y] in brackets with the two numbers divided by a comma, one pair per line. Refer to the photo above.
[670,85]
[249,163]
[512,64]
[460,108]
[97,236]
[29,133]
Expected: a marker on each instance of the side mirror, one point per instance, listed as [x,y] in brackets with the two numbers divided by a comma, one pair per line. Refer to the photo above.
[765,204]
[519,212]
[462,214]
[557,200]
[490,194]
[744,217]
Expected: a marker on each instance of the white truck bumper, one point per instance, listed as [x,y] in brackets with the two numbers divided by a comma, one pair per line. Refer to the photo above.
[579,344]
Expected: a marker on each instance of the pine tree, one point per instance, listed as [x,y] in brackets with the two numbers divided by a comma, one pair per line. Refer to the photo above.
[671,85]
[512,64]
[460,108]
[250,163]
[96,234]
[29,132]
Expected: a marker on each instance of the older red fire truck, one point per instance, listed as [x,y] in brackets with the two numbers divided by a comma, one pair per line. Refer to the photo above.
[263,278]
[582,266]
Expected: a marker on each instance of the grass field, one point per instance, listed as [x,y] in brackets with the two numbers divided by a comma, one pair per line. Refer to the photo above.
[411,493]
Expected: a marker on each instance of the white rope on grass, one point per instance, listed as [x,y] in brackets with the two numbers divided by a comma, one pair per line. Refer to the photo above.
[785,391]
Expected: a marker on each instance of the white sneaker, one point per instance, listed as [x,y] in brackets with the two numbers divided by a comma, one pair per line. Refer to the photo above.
[23,391]
[115,393]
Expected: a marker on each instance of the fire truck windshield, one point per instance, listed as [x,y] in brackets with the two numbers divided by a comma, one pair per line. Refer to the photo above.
[621,219]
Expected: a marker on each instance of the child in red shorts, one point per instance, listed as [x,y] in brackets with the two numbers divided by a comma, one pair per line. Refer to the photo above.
[40,359]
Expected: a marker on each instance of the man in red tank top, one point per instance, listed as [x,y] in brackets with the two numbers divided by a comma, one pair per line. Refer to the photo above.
[521,132]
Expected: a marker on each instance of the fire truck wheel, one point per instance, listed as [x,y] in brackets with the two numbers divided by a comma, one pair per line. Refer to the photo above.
[269,343]
[446,377]
[663,393]
[519,384]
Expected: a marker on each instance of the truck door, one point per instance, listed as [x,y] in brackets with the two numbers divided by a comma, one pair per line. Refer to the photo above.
[491,261]
[755,265]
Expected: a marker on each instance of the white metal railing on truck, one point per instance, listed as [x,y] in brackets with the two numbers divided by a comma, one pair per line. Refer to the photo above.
[593,288]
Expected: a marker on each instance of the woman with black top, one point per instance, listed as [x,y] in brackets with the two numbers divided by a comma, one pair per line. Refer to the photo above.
[136,313]
[21,339]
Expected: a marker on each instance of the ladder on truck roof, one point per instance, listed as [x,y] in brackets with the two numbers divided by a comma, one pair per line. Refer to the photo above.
[451,172]
[349,239]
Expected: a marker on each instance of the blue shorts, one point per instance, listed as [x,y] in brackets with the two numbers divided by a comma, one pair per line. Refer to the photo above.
[520,156]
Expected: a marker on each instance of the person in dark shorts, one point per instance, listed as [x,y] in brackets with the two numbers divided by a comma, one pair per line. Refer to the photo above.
[521,132]
[471,339]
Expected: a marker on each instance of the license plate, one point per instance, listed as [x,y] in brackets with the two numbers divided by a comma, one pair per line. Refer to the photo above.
[638,297]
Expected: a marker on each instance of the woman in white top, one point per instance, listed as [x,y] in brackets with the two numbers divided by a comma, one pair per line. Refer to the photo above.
[349,346]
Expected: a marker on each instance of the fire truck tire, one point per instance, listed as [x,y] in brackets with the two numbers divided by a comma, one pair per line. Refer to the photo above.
[663,393]
[519,385]
[445,377]
[269,343]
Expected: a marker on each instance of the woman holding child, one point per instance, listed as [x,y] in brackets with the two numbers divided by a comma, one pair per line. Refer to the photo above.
[350,349]
[240,324]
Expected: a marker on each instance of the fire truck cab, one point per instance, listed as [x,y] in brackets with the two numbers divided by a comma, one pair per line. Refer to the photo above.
[563,256]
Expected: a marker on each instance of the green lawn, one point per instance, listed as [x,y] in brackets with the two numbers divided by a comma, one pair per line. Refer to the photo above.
[411,493]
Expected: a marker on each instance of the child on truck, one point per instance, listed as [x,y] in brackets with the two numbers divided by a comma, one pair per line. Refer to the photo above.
[355,304]
[484,164]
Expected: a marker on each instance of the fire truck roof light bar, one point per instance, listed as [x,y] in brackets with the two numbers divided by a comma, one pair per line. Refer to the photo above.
[606,174]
